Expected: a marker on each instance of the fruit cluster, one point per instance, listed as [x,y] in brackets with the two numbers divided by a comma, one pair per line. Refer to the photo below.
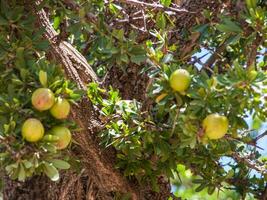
[215,126]
[34,124]
[33,130]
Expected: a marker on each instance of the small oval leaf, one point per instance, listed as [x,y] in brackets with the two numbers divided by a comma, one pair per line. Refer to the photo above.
[43,78]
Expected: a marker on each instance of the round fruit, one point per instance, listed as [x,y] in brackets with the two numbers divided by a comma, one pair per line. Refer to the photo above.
[252,75]
[43,99]
[215,126]
[32,130]
[180,80]
[60,109]
[64,136]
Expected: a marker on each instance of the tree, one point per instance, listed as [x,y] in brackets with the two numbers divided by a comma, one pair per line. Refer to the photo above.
[116,63]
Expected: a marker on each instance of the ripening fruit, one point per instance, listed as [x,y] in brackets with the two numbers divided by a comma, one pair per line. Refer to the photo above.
[63,134]
[43,99]
[60,109]
[215,126]
[32,130]
[180,80]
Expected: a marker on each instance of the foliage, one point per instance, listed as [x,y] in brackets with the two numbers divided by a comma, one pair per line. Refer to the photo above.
[24,69]
[184,187]
[150,140]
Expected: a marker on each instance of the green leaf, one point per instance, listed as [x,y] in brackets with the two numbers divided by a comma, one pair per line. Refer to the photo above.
[4,8]
[198,181]
[138,59]
[21,174]
[114,8]
[20,60]
[201,187]
[51,171]
[124,58]
[229,26]
[251,4]
[27,164]
[256,123]
[3,21]
[230,174]
[211,189]
[50,147]
[43,78]
[161,20]
[60,164]
[232,40]
[166,3]
[56,22]
[11,167]
[201,28]
[50,138]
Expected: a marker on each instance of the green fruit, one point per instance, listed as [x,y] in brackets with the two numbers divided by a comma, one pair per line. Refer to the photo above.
[215,126]
[252,75]
[43,99]
[60,109]
[32,130]
[180,80]
[63,134]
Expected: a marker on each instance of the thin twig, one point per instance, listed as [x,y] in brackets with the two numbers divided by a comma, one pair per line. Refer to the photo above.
[217,54]
[154,6]
[260,136]
[251,143]
[144,19]
[259,168]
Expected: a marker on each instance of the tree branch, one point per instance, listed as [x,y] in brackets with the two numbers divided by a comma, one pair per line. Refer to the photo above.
[253,52]
[260,136]
[75,65]
[259,168]
[215,56]
[153,5]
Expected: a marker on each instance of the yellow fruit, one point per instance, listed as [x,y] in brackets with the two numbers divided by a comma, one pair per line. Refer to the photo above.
[180,80]
[215,126]
[63,134]
[60,109]
[32,130]
[43,99]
